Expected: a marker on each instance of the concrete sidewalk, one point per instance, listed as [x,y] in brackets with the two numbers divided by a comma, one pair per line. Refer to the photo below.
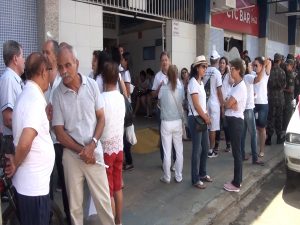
[147,201]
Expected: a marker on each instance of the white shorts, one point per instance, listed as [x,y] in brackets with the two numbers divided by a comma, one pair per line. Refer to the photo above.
[214,114]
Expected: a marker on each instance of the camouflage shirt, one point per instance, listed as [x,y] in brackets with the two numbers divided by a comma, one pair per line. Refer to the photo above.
[290,85]
[276,84]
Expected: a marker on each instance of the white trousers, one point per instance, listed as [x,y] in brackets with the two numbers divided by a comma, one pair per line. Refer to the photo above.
[171,131]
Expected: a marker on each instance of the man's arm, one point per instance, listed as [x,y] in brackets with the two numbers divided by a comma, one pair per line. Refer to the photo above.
[7,117]
[220,96]
[22,150]
[87,153]
[66,140]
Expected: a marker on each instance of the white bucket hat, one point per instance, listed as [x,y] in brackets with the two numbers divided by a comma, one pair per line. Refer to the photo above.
[215,55]
[200,60]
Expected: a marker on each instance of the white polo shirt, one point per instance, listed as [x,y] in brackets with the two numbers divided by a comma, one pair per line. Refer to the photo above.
[33,175]
[49,97]
[10,89]
[159,77]
[249,80]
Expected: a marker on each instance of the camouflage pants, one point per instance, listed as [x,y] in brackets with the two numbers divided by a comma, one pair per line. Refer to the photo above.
[274,120]
[287,114]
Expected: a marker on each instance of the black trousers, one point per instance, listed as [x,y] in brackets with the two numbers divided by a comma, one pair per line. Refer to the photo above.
[61,179]
[127,151]
[33,210]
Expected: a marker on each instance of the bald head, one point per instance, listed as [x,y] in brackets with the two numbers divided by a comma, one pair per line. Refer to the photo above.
[35,64]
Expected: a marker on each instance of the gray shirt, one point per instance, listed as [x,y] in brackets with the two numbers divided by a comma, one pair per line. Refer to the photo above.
[10,89]
[77,111]
[169,108]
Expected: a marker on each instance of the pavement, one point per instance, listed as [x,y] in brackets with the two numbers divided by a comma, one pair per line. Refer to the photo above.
[147,201]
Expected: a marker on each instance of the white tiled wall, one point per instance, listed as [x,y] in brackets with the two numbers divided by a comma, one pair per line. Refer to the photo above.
[274,47]
[251,43]
[81,25]
[183,43]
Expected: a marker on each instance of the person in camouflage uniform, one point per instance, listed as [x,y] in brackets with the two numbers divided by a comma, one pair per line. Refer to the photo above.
[288,93]
[276,84]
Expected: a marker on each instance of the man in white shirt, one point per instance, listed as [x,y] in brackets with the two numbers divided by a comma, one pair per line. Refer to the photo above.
[50,50]
[78,120]
[213,87]
[33,162]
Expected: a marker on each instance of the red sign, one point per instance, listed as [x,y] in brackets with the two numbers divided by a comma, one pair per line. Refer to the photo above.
[244,20]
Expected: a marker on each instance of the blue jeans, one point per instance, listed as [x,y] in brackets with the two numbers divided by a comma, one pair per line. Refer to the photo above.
[235,126]
[249,124]
[199,151]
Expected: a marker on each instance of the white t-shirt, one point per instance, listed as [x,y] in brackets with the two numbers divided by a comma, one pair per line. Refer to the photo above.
[215,77]
[196,88]
[126,76]
[33,176]
[114,111]
[99,81]
[239,93]
[261,90]
[159,77]
[226,86]
[249,80]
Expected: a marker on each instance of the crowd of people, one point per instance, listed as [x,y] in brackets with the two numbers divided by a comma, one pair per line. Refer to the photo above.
[56,115]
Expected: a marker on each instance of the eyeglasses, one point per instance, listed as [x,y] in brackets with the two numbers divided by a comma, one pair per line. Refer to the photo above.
[203,66]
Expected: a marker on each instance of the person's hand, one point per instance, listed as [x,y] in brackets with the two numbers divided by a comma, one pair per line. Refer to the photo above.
[207,119]
[87,153]
[235,107]
[49,111]
[10,168]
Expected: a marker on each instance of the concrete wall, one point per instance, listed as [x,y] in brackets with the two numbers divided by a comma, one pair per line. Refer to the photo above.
[81,25]
[273,47]
[251,43]
[135,45]
[181,43]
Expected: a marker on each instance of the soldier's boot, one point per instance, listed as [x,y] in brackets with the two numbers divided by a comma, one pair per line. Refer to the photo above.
[280,138]
[268,140]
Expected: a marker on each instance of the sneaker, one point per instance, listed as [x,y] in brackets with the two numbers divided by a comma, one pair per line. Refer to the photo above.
[231,188]
[177,180]
[173,168]
[212,154]
[164,180]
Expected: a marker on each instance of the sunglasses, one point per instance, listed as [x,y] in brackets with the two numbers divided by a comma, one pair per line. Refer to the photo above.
[203,66]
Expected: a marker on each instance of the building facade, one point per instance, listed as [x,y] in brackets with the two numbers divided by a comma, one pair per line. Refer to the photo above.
[185,28]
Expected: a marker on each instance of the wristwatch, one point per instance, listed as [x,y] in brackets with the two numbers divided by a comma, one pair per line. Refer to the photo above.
[95,140]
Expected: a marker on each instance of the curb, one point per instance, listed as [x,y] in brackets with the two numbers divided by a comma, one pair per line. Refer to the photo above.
[225,201]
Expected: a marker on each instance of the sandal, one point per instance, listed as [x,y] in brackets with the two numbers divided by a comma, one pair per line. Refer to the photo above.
[261,154]
[200,185]
[206,178]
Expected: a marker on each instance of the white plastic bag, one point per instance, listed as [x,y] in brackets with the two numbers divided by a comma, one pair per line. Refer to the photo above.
[130,135]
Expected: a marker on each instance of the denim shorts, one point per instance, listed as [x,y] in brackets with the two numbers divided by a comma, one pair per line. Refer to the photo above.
[261,115]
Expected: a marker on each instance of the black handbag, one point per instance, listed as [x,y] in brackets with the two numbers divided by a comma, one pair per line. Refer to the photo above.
[200,123]
[128,119]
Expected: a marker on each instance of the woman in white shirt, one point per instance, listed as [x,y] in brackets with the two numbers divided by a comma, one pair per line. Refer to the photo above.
[112,136]
[171,113]
[235,105]
[226,88]
[197,106]
[262,67]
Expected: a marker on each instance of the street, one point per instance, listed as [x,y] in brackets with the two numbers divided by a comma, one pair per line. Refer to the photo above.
[278,202]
